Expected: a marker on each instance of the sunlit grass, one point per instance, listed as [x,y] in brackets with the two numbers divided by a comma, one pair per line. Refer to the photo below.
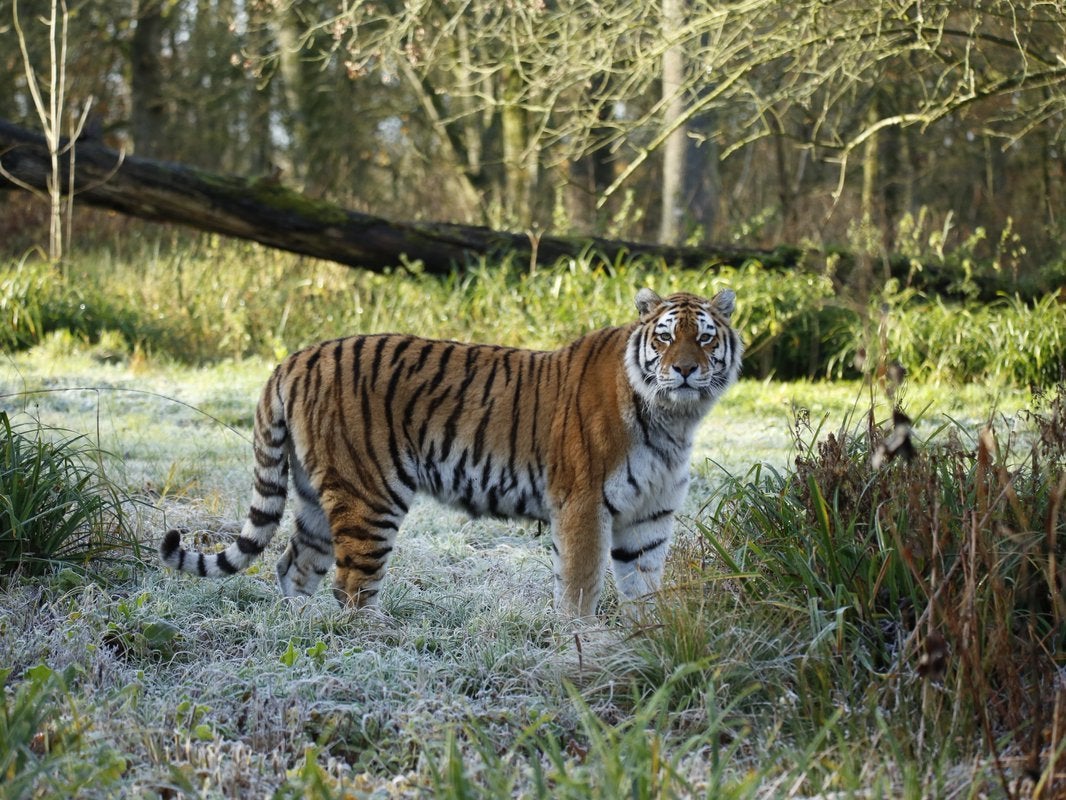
[215,302]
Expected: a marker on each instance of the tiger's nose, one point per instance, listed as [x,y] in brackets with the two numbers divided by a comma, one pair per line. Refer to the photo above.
[685,371]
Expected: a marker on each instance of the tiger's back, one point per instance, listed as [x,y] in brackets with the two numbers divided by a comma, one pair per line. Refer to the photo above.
[481,442]
[573,437]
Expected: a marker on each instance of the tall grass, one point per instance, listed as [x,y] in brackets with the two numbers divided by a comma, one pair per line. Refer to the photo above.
[232,301]
[57,506]
[1007,341]
[944,569]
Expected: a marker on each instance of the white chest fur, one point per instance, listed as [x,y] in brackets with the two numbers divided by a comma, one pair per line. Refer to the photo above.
[654,476]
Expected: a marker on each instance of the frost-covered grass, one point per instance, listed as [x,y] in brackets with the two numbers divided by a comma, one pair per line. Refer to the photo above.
[465,683]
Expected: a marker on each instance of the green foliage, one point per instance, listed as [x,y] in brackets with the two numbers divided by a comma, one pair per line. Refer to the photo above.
[56,505]
[36,300]
[945,567]
[46,749]
[288,658]
[133,637]
[309,781]
[237,301]
[1009,341]
[635,757]
[190,721]
[24,289]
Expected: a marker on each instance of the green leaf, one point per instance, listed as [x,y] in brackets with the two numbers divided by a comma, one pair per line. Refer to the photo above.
[40,674]
[317,652]
[160,633]
[288,658]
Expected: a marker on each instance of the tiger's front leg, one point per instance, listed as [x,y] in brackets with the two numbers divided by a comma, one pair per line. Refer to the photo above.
[580,544]
[638,553]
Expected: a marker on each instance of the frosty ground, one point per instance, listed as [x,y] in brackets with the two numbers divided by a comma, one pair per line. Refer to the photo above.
[223,688]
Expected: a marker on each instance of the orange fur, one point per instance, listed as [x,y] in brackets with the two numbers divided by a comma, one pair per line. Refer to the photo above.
[594,438]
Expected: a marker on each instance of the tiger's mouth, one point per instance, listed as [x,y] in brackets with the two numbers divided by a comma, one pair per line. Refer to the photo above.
[684,393]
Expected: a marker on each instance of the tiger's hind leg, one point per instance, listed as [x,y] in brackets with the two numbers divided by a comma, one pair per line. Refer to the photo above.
[309,555]
[364,530]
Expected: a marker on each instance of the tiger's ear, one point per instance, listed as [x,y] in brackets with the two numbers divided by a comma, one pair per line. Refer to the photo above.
[725,302]
[647,302]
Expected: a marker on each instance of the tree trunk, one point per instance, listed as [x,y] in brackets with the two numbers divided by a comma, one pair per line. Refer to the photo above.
[258,153]
[462,151]
[287,35]
[702,185]
[870,170]
[266,212]
[518,174]
[674,146]
[147,104]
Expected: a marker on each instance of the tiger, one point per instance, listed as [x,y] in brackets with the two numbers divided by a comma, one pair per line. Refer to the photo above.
[593,439]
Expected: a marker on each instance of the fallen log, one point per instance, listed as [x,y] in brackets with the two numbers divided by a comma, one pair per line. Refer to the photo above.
[267,212]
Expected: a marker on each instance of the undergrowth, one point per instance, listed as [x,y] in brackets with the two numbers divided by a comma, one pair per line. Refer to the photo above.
[937,578]
[233,301]
[57,505]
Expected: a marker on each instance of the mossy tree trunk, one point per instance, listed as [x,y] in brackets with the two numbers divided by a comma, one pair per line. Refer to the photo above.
[517,160]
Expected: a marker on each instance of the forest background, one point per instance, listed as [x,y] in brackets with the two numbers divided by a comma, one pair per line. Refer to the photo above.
[893,627]
[890,127]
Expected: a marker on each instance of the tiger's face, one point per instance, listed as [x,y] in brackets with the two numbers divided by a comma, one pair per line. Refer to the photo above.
[684,354]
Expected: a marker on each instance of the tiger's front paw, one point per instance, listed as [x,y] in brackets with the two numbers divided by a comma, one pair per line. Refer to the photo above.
[577,603]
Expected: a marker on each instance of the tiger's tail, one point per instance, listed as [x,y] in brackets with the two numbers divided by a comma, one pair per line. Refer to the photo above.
[271,447]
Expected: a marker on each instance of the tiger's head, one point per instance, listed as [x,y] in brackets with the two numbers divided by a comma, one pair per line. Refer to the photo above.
[683,353]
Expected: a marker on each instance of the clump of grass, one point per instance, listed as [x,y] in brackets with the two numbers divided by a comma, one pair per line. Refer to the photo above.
[36,300]
[23,291]
[44,747]
[637,756]
[57,506]
[947,568]
[1008,341]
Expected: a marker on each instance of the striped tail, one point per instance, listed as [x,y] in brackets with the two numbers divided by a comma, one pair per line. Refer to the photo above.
[271,446]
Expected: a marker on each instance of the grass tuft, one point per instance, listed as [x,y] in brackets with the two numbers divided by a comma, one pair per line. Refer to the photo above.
[57,506]
[945,571]
[46,746]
